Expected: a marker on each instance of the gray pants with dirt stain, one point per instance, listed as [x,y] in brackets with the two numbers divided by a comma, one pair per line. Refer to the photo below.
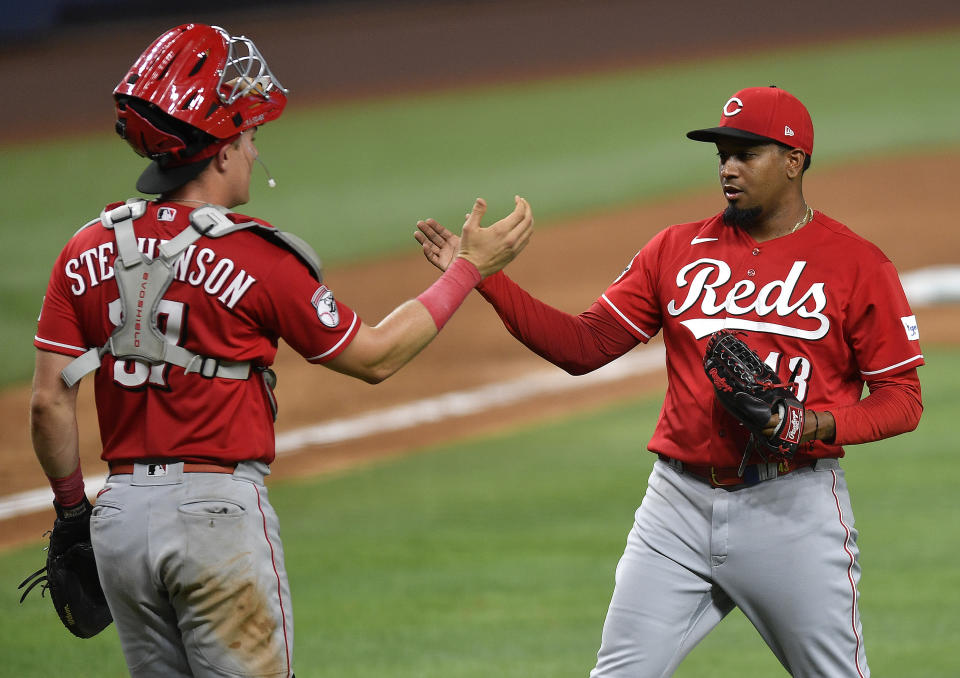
[192,568]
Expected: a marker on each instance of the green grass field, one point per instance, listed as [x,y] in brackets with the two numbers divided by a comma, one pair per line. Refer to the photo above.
[353,179]
[495,557]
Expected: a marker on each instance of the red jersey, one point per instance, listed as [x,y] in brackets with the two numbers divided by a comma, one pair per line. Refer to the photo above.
[822,300]
[231,298]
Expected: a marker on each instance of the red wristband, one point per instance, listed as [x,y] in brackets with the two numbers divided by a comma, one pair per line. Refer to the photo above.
[444,296]
[68,491]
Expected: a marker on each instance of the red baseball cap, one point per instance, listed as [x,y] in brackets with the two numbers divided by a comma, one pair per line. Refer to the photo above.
[763,114]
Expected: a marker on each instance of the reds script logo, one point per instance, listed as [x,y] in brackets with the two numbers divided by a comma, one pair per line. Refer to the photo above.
[326,306]
[778,299]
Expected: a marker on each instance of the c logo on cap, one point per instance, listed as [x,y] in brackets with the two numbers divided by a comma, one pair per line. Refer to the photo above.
[726,107]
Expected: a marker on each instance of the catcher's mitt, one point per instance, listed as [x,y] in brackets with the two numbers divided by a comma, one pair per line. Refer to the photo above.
[752,392]
[71,574]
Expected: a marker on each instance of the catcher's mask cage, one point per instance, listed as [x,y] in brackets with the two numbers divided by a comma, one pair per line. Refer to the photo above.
[193,89]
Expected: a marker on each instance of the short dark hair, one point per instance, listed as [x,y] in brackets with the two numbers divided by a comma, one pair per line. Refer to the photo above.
[806,158]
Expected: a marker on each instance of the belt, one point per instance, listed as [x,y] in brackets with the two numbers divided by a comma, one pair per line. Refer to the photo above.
[728,477]
[188,467]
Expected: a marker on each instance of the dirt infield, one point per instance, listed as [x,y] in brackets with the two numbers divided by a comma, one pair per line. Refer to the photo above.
[902,204]
[474,349]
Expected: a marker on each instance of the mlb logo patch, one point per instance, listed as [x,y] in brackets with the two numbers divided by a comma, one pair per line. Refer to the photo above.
[910,327]
[166,214]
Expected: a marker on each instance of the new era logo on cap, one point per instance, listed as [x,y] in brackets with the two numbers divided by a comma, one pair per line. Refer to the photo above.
[763,113]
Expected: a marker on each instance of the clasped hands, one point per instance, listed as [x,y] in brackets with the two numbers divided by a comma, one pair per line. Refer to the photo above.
[489,249]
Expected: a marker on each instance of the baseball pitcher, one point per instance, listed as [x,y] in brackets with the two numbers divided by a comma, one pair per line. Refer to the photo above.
[774,316]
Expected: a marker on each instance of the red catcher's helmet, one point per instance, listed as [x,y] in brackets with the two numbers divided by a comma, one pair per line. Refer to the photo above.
[193,89]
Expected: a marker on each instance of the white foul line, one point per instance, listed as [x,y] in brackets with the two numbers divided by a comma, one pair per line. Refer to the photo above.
[924,287]
[642,360]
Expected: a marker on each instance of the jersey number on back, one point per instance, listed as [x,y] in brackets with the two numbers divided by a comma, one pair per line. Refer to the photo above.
[133,374]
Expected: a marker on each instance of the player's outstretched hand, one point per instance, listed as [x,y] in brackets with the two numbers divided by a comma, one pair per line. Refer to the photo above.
[489,249]
[439,244]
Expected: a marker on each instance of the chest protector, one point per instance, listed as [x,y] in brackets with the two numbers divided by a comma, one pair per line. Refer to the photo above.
[143,281]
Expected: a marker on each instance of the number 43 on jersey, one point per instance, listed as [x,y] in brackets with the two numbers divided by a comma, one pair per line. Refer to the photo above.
[802,376]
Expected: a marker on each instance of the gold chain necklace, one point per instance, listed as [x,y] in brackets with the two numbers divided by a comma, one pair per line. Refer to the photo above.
[807,217]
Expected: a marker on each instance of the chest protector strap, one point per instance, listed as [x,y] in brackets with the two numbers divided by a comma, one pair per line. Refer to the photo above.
[142,282]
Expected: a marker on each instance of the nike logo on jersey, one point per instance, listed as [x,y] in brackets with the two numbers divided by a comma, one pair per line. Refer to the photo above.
[779,299]
[697,241]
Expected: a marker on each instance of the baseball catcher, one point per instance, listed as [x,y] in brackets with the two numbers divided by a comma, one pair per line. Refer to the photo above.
[177,327]
[70,574]
[751,391]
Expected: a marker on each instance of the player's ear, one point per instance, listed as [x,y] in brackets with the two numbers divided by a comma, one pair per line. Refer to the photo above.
[223,156]
[793,162]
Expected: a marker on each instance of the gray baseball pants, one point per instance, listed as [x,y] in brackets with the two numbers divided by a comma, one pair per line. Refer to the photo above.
[784,551]
[192,568]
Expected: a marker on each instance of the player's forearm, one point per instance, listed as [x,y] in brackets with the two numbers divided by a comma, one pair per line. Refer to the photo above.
[577,344]
[893,407]
[535,324]
[53,417]
[817,425]
[380,351]
[403,334]
[53,427]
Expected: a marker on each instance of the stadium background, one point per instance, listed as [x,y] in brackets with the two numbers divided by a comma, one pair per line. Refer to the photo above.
[492,552]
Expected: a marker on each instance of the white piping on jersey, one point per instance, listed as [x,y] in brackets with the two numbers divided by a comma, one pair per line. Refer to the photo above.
[625,318]
[57,343]
[919,356]
[342,339]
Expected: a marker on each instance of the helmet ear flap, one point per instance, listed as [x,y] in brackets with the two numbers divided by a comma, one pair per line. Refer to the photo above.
[192,90]
[156,135]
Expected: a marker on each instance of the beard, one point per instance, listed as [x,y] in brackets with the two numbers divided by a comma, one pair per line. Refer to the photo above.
[743,218]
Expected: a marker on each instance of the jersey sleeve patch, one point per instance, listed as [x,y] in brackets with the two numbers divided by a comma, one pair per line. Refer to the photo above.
[326,306]
[910,327]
